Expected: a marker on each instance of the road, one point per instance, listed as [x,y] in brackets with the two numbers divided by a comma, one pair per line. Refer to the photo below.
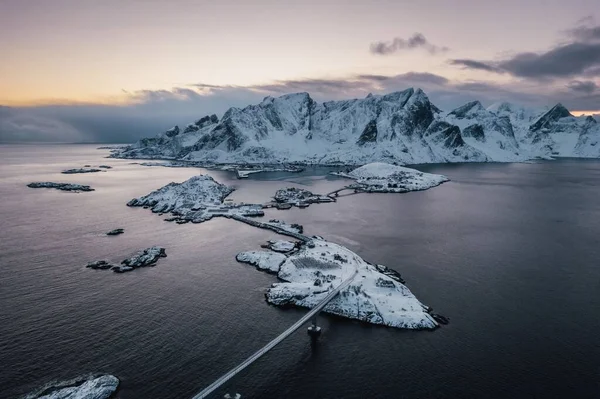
[313,312]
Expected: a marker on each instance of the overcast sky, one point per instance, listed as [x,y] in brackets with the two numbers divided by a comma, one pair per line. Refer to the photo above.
[116,70]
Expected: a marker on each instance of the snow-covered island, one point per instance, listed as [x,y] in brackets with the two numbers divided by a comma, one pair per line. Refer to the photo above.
[193,194]
[196,200]
[61,186]
[376,294]
[299,197]
[85,387]
[386,178]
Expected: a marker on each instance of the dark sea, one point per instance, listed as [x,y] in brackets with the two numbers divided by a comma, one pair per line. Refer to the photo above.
[509,252]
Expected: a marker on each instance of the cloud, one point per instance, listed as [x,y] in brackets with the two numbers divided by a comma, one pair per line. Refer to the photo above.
[417,40]
[586,31]
[560,62]
[473,64]
[149,112]
[586,86]
[20,125]
[577,55]
[353,86]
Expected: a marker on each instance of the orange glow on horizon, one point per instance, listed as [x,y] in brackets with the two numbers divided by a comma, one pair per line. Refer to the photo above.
[581,113]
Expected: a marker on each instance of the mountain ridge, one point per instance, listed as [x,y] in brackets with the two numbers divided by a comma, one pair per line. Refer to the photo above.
[402,126]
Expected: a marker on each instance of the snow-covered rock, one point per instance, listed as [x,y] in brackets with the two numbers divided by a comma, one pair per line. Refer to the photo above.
[61,186]
[403,127]
[281,245]
[88,387]
[263,260]
[194,193]
[375,295]
[196,200]
[383,177]
[144,258]
[80,170]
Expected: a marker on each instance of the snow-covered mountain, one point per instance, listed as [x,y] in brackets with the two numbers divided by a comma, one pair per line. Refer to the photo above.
[401,126]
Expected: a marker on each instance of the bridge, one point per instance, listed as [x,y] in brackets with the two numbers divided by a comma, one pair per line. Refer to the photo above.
[313,329]
[335,193]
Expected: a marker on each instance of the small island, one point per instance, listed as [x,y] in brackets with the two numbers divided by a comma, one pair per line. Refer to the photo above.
[61,186]
[80,170]
[100,264]
[196,200]
[379,177]
[376,294]
[146,257]
[298,197]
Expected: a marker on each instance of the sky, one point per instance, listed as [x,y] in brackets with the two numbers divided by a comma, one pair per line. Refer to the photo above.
[117,70]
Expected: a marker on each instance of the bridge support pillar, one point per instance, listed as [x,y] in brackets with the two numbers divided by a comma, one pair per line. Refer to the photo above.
[314,330]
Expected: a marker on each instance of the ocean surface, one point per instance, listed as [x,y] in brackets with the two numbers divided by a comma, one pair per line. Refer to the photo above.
[509,252]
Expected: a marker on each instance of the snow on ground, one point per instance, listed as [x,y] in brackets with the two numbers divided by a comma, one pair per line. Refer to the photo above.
[263,260]
[194,193]
[98,387]
[196,200]
[281,245]
[373,296]
[384,177]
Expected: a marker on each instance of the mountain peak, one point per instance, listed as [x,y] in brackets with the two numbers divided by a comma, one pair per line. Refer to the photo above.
[561,110]
[399,96]
[503,106]
[555,113]
[295,96]
[467,110]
